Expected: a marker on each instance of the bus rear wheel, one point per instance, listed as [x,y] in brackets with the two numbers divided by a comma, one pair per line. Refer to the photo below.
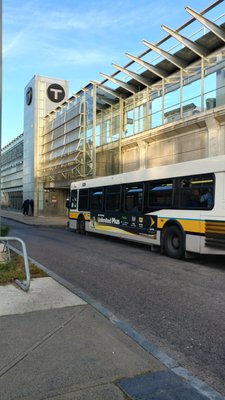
[81,225]
[173,242]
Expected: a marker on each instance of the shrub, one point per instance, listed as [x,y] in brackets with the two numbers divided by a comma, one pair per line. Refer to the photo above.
[4,230]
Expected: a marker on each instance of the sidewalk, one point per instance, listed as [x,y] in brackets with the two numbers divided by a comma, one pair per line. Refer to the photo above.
[56,221]
[56,345]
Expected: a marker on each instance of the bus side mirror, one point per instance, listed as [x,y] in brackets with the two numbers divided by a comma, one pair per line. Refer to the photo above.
[67,204]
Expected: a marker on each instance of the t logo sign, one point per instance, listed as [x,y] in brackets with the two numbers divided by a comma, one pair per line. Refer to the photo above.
[55,93]
[29,95]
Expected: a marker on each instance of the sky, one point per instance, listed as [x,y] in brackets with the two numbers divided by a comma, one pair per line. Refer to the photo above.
[76,40]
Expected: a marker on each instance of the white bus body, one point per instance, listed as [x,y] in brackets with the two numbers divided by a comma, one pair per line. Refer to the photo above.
[202,228]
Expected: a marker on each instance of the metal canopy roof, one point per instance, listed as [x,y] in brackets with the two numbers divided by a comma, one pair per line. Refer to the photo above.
[179,62]
[217,30]
[191,52]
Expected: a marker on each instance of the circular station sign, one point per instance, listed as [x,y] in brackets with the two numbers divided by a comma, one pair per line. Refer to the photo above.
[55,93]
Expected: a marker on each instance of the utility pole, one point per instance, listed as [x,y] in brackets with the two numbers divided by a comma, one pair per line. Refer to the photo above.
[0,113]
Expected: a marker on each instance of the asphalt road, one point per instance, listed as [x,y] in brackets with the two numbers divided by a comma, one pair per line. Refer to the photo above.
[179,305]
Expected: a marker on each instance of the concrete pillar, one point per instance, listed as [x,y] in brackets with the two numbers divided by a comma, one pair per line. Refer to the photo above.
[215,142]
[220,87]
[142,154]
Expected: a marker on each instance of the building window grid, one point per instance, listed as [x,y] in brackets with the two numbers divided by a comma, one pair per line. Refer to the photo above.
[142,111]
[61,134]
[61,145]
[137,121]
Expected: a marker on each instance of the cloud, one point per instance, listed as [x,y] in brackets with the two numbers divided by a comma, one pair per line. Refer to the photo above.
[53,38]
[95,20]
[74,56]
[29,26]
[11,44]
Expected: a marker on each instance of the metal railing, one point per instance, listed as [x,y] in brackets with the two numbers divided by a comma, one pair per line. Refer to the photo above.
[5,239]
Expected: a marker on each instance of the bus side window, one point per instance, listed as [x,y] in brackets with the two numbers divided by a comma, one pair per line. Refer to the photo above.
[206,198]
[83,200]
[133,197]
[189,197]
[73,199]
[198,193]
[96,199]
[160,194]
[113,198]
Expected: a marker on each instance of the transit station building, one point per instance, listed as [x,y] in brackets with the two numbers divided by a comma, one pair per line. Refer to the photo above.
[165,106]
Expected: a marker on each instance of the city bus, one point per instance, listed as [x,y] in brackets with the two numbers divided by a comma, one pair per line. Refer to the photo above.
[177,208]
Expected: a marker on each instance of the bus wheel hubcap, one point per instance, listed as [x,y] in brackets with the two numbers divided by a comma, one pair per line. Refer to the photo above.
[176,242]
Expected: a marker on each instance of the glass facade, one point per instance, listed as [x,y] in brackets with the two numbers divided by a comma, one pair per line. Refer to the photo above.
[86,135]
[198,89]
[12,175]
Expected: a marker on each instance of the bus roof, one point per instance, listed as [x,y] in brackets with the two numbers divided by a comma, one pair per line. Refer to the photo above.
[188,168]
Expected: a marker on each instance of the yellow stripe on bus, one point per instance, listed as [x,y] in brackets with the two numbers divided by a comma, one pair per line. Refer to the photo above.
[188,225]
[75,215]
[112,229]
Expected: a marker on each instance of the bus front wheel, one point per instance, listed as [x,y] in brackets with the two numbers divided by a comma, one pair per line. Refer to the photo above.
[173,242]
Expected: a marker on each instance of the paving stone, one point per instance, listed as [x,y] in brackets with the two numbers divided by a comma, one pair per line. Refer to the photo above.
[102,392]
[163,385]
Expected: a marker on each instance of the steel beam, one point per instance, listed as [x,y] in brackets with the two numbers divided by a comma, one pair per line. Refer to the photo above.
[156,70]
[137,77]
[106,100]
[217,30]
[170,57]
[130,88]
[195,47]
[107,89]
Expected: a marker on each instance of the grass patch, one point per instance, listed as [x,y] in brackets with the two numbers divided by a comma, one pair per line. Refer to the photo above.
[15,269]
